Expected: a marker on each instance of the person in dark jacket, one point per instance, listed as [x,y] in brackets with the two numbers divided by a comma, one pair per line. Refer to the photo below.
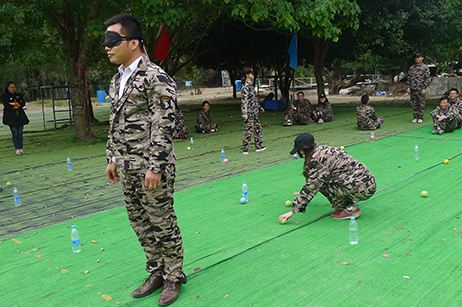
[14,115]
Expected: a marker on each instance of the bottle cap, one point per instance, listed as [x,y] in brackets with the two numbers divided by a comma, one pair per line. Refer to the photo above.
[73,226]
[353,218]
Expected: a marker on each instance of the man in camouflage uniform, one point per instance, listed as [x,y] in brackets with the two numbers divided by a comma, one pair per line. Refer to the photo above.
[365,116]
[250,109]
[323,111]
[181,129]
[444,119]
[455,105]
[204,122]
[334,173]
[418,79]
[140,154]
[298,112]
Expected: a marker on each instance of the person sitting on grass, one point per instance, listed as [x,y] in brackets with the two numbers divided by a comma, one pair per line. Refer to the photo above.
[181,129]
[365,115]
[323,111]
[298,112]
[334,173]
[204,122]
[455,105]
[444,119]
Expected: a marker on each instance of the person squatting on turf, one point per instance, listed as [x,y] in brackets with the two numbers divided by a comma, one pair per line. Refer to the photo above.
[204,123]
[140,153]
[455,105]
[298,112]
[366,119]
[334,173]
[444,119]
[181,129]
[418,79]
[250,109]
[323,111]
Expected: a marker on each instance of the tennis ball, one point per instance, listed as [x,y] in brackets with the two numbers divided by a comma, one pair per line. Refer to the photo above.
[342,148]
[225,160]
[446,161]
[243,200]
[188,148]
[8,184]
[288,203]
[424,193]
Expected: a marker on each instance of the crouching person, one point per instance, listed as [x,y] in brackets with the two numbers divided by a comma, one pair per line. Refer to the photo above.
[444,119]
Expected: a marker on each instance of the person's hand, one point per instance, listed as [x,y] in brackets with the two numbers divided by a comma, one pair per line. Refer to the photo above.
[111,173]
[424,91]
[244,116]
[284,217]
[441,117]
[152,180]
[262,110]
[408,90]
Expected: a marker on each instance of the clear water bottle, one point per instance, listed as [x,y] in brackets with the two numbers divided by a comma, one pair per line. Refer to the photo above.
[372,137]
[192,143]
[222,156]
[245,192]
[16,197]
[69,163]
[75,240]
[416,152]
[296,156]
[353,231]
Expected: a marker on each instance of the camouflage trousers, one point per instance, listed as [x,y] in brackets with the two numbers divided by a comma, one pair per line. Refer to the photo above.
[371,124]
[353,189]
[153,219]
[253,127]
[447,125]
[417,104]
[296,117]
[317,115]
[206,128]
[181,129]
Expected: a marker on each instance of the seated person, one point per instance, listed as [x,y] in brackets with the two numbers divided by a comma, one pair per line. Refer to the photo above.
[204,122]
[365,115]
[323,111]
[298,112]
[444,119]
[181,129]
[455,105]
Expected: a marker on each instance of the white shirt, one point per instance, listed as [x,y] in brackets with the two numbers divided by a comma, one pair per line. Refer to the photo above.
[126,73]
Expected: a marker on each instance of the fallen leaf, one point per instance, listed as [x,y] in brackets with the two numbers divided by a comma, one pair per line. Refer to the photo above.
[226,295]
[93,241]
[106,297]
[386,255]
[39,256]
[297,223]
[88,286]
[26,237]
[198,297]
[64,271]
[35,249]
[407,277]
[101,249]
[118,302]
[86,271]
[408,254]
[455,229]
[344,262]
[98,260]
[16,241]
[197,269]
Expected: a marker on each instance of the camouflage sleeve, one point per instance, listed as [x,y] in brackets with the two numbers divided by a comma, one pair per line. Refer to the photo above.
[110,142]
[371,113]
[427,77]
[244,100]
[316,177]
[409,74]
[161,98]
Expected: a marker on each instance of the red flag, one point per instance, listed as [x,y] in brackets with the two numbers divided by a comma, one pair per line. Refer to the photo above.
[162,45]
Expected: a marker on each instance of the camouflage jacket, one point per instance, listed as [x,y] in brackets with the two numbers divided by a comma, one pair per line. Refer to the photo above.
[365,117]
[418,77]
[456,108]
[141,122]
[249,105]
[329,166]
[204,119]
[452,116]
[303,107]
[326,109]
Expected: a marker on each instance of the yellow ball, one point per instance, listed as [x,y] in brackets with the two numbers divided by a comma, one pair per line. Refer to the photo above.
[188,148]
[288,203]
[8,183]
[342,148]
[446,161]
[424,193]
[283,222]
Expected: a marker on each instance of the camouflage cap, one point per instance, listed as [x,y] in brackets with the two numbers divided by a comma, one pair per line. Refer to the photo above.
[302,141]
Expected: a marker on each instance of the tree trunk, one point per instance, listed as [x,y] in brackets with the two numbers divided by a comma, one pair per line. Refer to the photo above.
[320,52]
[79,102]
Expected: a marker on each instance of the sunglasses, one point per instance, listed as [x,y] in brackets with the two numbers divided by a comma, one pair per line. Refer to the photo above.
[113,39]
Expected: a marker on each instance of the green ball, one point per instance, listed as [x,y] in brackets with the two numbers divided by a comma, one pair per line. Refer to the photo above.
[8,183]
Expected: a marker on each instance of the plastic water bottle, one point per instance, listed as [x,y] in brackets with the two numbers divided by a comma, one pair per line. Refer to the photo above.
[69,163]
[296,156]
[192,143]
[245,193]
[16,197]
[75,240]
[416,152]
[353,231]
[222,156]
[372,137]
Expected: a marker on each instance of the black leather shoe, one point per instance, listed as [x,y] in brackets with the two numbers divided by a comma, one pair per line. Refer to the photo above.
[151,284]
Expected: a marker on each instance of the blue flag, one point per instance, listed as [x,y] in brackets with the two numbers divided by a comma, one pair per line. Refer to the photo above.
[293,59]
